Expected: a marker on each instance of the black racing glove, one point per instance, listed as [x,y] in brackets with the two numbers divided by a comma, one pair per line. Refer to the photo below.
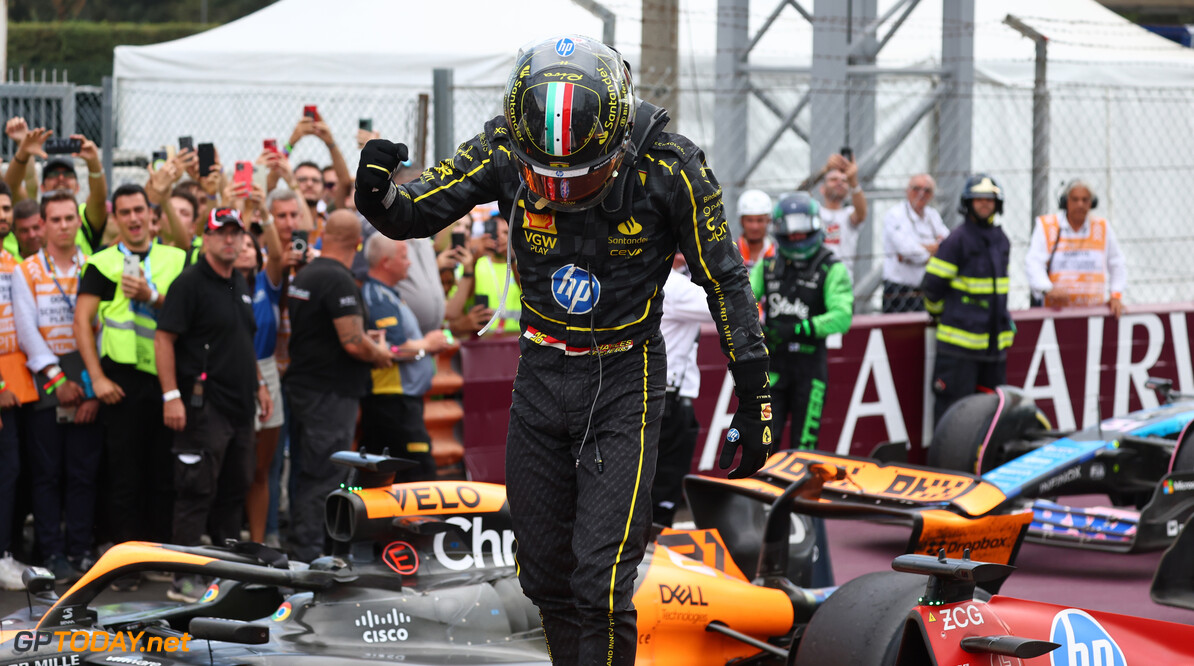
[375,189]
[751,426]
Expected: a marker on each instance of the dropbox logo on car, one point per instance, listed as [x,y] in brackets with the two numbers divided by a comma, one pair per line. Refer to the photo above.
[1084,642]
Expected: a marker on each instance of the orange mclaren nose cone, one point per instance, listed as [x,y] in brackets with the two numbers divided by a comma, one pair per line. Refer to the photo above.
[679,596]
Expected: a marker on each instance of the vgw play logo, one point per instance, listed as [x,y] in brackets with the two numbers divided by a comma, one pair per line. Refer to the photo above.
[1084,642]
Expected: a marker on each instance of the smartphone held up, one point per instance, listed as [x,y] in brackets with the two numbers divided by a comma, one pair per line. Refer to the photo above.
[62,146]
[132,265]
[207,158]
[243,177]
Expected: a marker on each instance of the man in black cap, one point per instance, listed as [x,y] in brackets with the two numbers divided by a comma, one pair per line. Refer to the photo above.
[208,369]
[59,174]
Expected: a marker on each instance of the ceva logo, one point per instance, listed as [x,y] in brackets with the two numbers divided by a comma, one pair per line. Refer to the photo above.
[1084,642]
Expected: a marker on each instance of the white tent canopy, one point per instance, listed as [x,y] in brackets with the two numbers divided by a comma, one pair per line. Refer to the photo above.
[398,42]
[357,42]
[374,55]
[1122,98]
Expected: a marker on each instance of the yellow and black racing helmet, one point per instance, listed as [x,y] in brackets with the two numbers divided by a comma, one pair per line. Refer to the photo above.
[570,106]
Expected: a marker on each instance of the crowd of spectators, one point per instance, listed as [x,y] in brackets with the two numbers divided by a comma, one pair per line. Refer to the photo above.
[167,351]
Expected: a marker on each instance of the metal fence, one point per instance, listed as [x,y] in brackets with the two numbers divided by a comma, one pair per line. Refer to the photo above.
[237,118]
[55,104]
[1136,145]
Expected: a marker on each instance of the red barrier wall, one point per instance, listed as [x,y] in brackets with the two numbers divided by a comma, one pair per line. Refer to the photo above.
[1078,364]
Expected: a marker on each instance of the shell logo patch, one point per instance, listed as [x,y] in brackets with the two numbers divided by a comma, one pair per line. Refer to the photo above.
[765,411]
[541,222]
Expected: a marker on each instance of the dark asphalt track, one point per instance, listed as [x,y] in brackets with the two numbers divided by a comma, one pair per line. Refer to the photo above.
[1097,581]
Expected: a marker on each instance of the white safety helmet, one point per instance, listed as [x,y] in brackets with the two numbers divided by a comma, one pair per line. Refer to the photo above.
[754,202]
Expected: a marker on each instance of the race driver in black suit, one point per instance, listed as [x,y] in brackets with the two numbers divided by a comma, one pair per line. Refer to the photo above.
[599,199]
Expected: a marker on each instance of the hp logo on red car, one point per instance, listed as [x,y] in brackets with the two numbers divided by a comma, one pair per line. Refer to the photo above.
[1084,642]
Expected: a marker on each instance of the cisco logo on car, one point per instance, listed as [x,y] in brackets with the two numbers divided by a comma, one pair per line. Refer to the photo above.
[1084,642]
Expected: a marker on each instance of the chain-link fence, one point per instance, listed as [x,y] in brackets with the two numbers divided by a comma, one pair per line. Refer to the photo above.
[55,104]
[1132,143]
[238,118]
[473,107]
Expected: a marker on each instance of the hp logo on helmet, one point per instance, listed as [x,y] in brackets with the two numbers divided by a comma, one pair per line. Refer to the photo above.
[565,47]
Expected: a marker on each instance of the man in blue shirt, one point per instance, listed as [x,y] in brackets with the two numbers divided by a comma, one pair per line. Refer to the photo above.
[392,414]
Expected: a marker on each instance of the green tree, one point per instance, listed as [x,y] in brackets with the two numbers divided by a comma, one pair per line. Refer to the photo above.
[133,11]
[84,49]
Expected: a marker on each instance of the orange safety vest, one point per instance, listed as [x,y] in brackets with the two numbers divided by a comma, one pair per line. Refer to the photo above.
[767,252]
[55,298]
[1079,268]
[8,323]
[17,377]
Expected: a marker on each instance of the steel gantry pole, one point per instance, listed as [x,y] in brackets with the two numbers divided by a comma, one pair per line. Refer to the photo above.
[730,104]
[955,118]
